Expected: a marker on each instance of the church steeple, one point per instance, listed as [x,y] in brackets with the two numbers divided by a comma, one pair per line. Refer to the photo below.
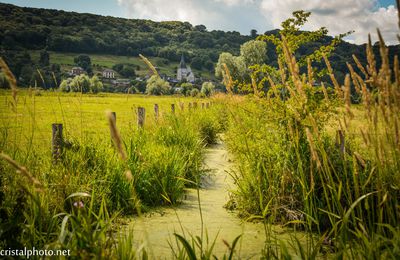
[184,72]
[182,65]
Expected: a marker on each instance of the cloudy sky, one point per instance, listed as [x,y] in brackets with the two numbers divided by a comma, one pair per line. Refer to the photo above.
[339,16]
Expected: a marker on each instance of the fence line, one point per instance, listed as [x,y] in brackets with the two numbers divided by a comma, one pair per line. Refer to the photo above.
[58,142]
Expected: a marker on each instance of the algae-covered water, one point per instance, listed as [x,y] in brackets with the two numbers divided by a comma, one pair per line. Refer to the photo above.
[155,229]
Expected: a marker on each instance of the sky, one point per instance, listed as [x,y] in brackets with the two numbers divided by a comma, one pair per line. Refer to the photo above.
[338,16]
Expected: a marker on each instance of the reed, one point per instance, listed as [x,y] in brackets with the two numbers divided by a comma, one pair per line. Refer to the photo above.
[295,171]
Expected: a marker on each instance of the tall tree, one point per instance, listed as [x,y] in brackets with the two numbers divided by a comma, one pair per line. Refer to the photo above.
[295,38]
[253,33]
[44,59]
[85,62]
[253,52]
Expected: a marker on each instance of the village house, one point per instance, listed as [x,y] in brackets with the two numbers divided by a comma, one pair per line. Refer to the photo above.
[121,83]
[108,74]
[76,71]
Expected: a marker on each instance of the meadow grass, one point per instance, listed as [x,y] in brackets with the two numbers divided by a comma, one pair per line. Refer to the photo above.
[93,183]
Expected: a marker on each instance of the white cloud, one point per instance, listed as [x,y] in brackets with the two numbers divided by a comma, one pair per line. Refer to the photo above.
[161,10]
[235,2]
[232,15]
[339,16]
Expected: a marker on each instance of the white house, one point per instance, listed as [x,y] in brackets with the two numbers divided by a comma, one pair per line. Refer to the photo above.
[184,72]
[75,71]
[108,74]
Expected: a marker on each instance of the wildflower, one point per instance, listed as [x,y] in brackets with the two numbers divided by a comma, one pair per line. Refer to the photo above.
[78,204]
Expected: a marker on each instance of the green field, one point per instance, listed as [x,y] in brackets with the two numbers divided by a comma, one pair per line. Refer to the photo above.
[82,115]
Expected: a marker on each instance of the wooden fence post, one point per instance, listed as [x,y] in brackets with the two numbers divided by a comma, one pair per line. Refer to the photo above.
[190,105]
[57,142]
[173,108]
[202,105]
[141,115]
[182,106]
[114,118]
[207,105]
[194,105]
[156,113]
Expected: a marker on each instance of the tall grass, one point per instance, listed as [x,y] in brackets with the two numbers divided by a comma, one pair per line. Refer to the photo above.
[296,169]
[73,204]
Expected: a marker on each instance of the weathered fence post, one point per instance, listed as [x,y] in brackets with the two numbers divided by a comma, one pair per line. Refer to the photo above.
[190,105]
[182,106]
[202,105]
[173,108]
[57,142]
[208,105]
[141,115]
[114,118]
[194,105]
[156,113]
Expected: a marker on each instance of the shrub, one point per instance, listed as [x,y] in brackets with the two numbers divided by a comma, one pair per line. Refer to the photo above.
[82,83]
[194,92]
[207,88]
[186,88]
[157,86]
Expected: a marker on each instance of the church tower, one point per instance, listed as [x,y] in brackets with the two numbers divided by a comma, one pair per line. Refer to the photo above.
[184,72]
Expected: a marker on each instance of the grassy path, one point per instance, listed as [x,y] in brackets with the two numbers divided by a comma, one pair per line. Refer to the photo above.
[156,228]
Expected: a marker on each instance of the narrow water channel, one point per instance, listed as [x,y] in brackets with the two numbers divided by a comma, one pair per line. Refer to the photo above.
[156,228]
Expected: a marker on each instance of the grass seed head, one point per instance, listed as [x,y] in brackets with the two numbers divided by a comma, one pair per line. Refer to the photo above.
[116,137]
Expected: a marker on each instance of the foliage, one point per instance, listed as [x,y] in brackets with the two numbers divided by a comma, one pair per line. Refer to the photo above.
[194,92]
[196,248]
[60,31]
[253,52]
[251,70]
[290,33]
[44,59]
[82,83]
[31,28]
[84,62]
[186,88]
[95,85]
[303,166]
[207,88]
[125,70]
[235,64]
[157,86]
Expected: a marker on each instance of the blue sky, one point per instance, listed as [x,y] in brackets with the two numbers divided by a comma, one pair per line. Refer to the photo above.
[387,2]
[103,7]
[362,16]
